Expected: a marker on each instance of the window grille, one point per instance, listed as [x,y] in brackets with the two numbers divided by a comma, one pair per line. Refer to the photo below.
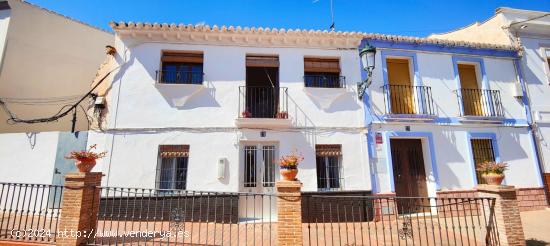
[172,167]
[329,168]
[483,152]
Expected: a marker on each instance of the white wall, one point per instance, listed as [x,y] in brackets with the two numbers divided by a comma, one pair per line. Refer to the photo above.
[132,158]
[537,78]
[28,158]
[46,55]
[143,103]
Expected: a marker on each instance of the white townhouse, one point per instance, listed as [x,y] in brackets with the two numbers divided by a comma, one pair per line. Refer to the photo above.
[529,30]
[214,108]
[437,109]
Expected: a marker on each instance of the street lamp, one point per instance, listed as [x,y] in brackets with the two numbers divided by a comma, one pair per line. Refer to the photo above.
[367,55]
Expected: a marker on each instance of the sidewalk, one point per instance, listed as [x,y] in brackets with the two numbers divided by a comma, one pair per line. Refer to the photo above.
[536,225]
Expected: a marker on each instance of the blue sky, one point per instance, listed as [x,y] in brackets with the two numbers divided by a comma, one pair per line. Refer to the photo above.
[404,17]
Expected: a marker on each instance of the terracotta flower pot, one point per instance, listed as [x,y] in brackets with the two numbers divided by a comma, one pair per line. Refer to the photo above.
[289,174]
[493,178]
[85,165]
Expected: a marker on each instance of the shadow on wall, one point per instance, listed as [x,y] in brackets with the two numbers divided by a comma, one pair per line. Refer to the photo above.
[447,176]
[513,139]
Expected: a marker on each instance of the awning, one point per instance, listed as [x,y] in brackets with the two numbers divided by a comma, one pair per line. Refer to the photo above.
[170,151]
[328,149]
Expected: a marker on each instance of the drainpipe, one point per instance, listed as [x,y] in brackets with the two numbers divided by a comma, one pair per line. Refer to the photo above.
[532,125]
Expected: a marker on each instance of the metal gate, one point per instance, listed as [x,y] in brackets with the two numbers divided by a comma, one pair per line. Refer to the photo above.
[371,220]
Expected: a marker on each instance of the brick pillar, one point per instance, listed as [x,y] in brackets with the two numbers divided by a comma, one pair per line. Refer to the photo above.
[289,213]
[79,207]
[506,213]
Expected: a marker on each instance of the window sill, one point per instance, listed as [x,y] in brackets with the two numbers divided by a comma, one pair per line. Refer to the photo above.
[409,117]
[263,123]
[481,119]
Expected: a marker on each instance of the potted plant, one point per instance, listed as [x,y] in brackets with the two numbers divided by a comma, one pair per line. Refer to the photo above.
[246,114]
[282,115]
[85,159]
[492,172]
[289,165]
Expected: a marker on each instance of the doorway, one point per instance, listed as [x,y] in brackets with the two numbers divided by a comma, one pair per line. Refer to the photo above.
[262,86]
[259,176]
[409,174]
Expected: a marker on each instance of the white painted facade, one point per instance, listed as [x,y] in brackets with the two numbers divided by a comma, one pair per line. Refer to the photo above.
[531,31]
[142,114]
[445,136]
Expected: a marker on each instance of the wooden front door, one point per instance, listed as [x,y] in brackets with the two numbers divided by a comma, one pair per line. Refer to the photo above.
[409,175]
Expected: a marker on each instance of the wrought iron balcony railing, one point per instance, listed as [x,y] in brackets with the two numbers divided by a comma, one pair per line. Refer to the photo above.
[325,81]
[263,102]
[480,102]
[179,77]
[407,99]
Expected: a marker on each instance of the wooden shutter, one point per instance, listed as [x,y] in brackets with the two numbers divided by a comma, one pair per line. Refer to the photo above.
[328,149]
[191,57]
[169,151]
[399,72]
[467,76]
[320,65]
[262,61]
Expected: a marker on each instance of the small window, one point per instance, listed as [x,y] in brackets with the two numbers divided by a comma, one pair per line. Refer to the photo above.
[483,152]
[181,68]
[322,72]
[329,168]
[172,167]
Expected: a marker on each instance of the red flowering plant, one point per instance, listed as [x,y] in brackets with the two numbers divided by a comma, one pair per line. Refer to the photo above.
[491,167]
[291,161]
[86,155]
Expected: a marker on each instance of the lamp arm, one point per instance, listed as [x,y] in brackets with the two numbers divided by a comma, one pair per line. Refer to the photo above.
[363,85]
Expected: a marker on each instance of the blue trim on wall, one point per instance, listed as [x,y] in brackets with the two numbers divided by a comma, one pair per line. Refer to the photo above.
[426,135]
[536,157]
[371,150]
[481,135]
[438,48]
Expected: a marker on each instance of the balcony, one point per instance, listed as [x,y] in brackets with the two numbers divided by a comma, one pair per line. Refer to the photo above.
[324,81]
[408,102]
[480,104]
[261,106]
[179,77]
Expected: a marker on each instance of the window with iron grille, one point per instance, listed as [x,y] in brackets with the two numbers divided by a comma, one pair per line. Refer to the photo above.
[181,68]
[172,167]
[482,150]
[322,72]
[329,168]
[259,163]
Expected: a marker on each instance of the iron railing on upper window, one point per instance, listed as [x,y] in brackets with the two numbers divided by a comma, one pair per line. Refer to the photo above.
[263,102]
[179,77]
[480,102]
[324,81]
[407,99]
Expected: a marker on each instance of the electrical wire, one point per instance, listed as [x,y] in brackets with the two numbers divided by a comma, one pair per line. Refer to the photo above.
[13,119]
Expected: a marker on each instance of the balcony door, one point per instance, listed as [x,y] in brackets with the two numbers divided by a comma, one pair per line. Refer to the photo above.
[400,86]
[472,101]
[262,86]
[259,167]
[259,175]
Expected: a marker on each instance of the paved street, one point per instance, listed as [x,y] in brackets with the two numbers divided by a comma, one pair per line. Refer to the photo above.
[536,225]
